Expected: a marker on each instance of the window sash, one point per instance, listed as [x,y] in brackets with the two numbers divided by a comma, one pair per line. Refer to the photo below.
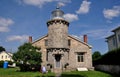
[80,57]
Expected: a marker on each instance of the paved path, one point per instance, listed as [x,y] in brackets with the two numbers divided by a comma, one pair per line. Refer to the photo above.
[58,75]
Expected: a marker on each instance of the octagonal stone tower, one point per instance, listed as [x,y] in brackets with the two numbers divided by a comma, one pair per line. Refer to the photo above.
[57,49]
[57,30]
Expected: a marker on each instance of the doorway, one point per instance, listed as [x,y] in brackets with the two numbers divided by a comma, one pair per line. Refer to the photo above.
[57,60]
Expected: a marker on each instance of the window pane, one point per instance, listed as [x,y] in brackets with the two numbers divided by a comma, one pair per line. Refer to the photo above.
[2,57]
[114,41]
[80,57]
[69,42]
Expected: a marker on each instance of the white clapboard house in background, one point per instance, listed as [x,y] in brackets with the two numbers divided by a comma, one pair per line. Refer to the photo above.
[6,56]
[113,40]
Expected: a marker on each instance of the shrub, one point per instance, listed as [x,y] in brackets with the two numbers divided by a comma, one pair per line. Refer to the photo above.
[110,58]
[28,56]
[10,62]
[1,63]
[27,67]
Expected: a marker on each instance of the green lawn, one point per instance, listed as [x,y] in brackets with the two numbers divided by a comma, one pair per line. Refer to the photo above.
[12,72]
[86,74]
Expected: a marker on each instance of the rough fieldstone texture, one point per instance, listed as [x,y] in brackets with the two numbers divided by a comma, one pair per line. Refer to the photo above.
[58,52]
[41,44]
[57,33]
[68,56]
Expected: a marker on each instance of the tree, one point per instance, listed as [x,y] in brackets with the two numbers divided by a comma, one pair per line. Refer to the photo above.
[27,55]
[2,49]
[96,55]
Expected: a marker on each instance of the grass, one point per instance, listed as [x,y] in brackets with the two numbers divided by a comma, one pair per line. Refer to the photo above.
[12,72]
[86,74]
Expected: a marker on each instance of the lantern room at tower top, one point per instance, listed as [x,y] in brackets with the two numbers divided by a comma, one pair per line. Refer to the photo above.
[57,14]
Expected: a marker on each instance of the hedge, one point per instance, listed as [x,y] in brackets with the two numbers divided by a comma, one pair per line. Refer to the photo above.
[110,58]
[1,64]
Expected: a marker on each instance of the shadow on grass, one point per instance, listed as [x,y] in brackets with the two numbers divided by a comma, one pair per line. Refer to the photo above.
[44,76]
[71,75]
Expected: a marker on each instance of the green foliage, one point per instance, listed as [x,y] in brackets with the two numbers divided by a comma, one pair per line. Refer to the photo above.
[10,62]
[28,55]
[1,63]
[2,49]
[96,55]
[66,65]
[110,58]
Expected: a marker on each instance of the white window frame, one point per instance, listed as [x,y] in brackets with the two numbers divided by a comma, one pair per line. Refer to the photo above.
[81,56]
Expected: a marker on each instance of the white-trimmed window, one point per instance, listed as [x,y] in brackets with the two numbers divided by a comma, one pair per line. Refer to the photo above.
[80,57]
[2,57]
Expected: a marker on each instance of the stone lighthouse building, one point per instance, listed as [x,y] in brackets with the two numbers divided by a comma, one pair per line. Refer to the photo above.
[61,51]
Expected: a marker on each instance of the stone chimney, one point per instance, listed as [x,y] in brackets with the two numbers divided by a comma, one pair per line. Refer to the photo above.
[30,39]
[85,38]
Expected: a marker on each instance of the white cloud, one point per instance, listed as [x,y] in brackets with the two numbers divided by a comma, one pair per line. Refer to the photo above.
[98,33]
[64,1]
[78,37]
[5,23]
[60,4]
[4,29]
[21,38]
[38,3]
[71,17]
[111,13]
[84,7]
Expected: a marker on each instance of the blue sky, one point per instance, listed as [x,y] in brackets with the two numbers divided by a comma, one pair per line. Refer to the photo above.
[22,18]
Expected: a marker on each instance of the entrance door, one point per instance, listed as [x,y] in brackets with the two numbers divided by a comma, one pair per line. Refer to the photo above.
[57,60]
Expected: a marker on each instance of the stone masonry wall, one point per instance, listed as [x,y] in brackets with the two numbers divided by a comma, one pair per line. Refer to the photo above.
[57,34]
[76,47]
[41,43]
[69,56]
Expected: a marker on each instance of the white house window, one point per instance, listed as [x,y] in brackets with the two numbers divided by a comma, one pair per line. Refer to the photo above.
[6,56]
[80,57]
[1,57]
[114,42]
